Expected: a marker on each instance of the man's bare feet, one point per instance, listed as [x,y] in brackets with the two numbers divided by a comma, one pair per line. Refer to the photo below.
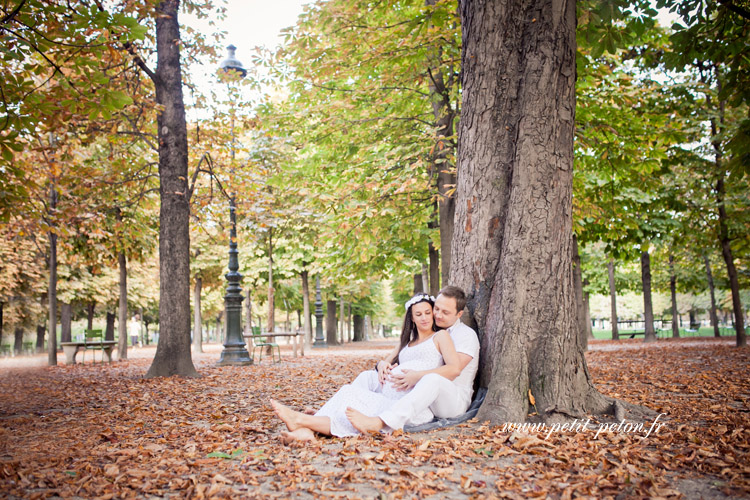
[287,415]
[362,422]
[303,434]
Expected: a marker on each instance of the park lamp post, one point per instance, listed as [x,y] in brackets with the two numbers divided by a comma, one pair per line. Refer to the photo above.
[235,351]
[320,340]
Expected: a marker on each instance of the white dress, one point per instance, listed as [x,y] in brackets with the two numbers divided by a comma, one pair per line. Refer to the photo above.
[423,356]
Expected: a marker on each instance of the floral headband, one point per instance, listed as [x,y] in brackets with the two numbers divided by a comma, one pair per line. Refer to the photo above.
[418,298]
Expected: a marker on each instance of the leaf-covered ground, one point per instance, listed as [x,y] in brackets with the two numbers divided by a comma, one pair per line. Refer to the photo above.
[102,431]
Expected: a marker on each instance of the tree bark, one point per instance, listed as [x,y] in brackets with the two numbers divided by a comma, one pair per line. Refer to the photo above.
[513,208]
[587,313]
[52,289]
[248,313]
[109,331]
[18,340]
[673,293]
[197,320]
[648,308]
[359,328]
[418,284]
[724,239]
[330,323]
[578,288]
[122,313]
[712,290]
[613,298]
[66,316]
[90,315]
[726,252]
[306,306]
[173,356]
[271,305]
[434,269]
[2,306]
[41,331]
[342,318]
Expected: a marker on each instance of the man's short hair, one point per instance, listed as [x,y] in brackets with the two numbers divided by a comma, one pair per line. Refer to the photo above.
[455,293]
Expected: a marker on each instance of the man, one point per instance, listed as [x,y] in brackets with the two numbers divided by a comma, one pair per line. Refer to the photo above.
[446,393]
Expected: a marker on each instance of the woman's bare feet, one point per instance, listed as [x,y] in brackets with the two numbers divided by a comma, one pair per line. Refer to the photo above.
[362,422]
[303,434]
[287,415]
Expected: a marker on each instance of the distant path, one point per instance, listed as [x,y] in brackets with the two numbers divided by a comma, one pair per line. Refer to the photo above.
[375,348]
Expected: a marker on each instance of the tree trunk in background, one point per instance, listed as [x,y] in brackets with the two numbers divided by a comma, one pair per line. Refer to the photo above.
[109,332]
[578,288]
[90,315]
[248,328]
[52,289]
[271,305]
[712,290]
[2,306]
[342,319]
[513,208]
[587,312]
[425,278]
[418,285]
[724,238]
[41,331]
[197,320]
[648,308]
[330,323]
[726,252]
[18,340]
[613,298]
[673,292]
[66,316]
[173,356]
[122,314]
[434,270]
[306,307]
[359,328]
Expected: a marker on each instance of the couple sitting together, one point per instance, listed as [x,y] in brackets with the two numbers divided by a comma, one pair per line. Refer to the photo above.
[431,373]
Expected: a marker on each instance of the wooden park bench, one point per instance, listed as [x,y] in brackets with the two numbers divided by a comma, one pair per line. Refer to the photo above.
[94,340]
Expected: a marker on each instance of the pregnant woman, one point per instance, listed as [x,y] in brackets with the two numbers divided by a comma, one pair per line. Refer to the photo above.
[421,348]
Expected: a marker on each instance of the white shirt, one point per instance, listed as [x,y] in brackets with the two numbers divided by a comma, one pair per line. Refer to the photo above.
[466,342]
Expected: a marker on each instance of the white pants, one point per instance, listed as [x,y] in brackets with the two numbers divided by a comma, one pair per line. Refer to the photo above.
[433,391]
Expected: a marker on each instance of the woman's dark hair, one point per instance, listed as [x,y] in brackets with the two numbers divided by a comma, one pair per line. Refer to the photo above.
[409,331]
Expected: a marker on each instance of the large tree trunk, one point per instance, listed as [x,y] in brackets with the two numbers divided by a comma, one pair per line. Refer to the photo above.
[197,321]
[513,207]
[648,308]
[712,290]
[306,307]
[342,319]
[613,298]
[331,322]
[673,293]
[66,316]
[578,288]
[359,328]
[52,289]
[122,312]
[173,355]
[109,331]
[271,305]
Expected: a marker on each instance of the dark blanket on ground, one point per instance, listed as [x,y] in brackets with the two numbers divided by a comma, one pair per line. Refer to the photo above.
[437,423]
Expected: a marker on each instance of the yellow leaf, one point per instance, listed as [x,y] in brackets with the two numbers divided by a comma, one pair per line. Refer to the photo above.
[531,398]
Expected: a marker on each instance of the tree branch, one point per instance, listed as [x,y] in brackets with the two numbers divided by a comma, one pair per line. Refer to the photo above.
[13,14]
